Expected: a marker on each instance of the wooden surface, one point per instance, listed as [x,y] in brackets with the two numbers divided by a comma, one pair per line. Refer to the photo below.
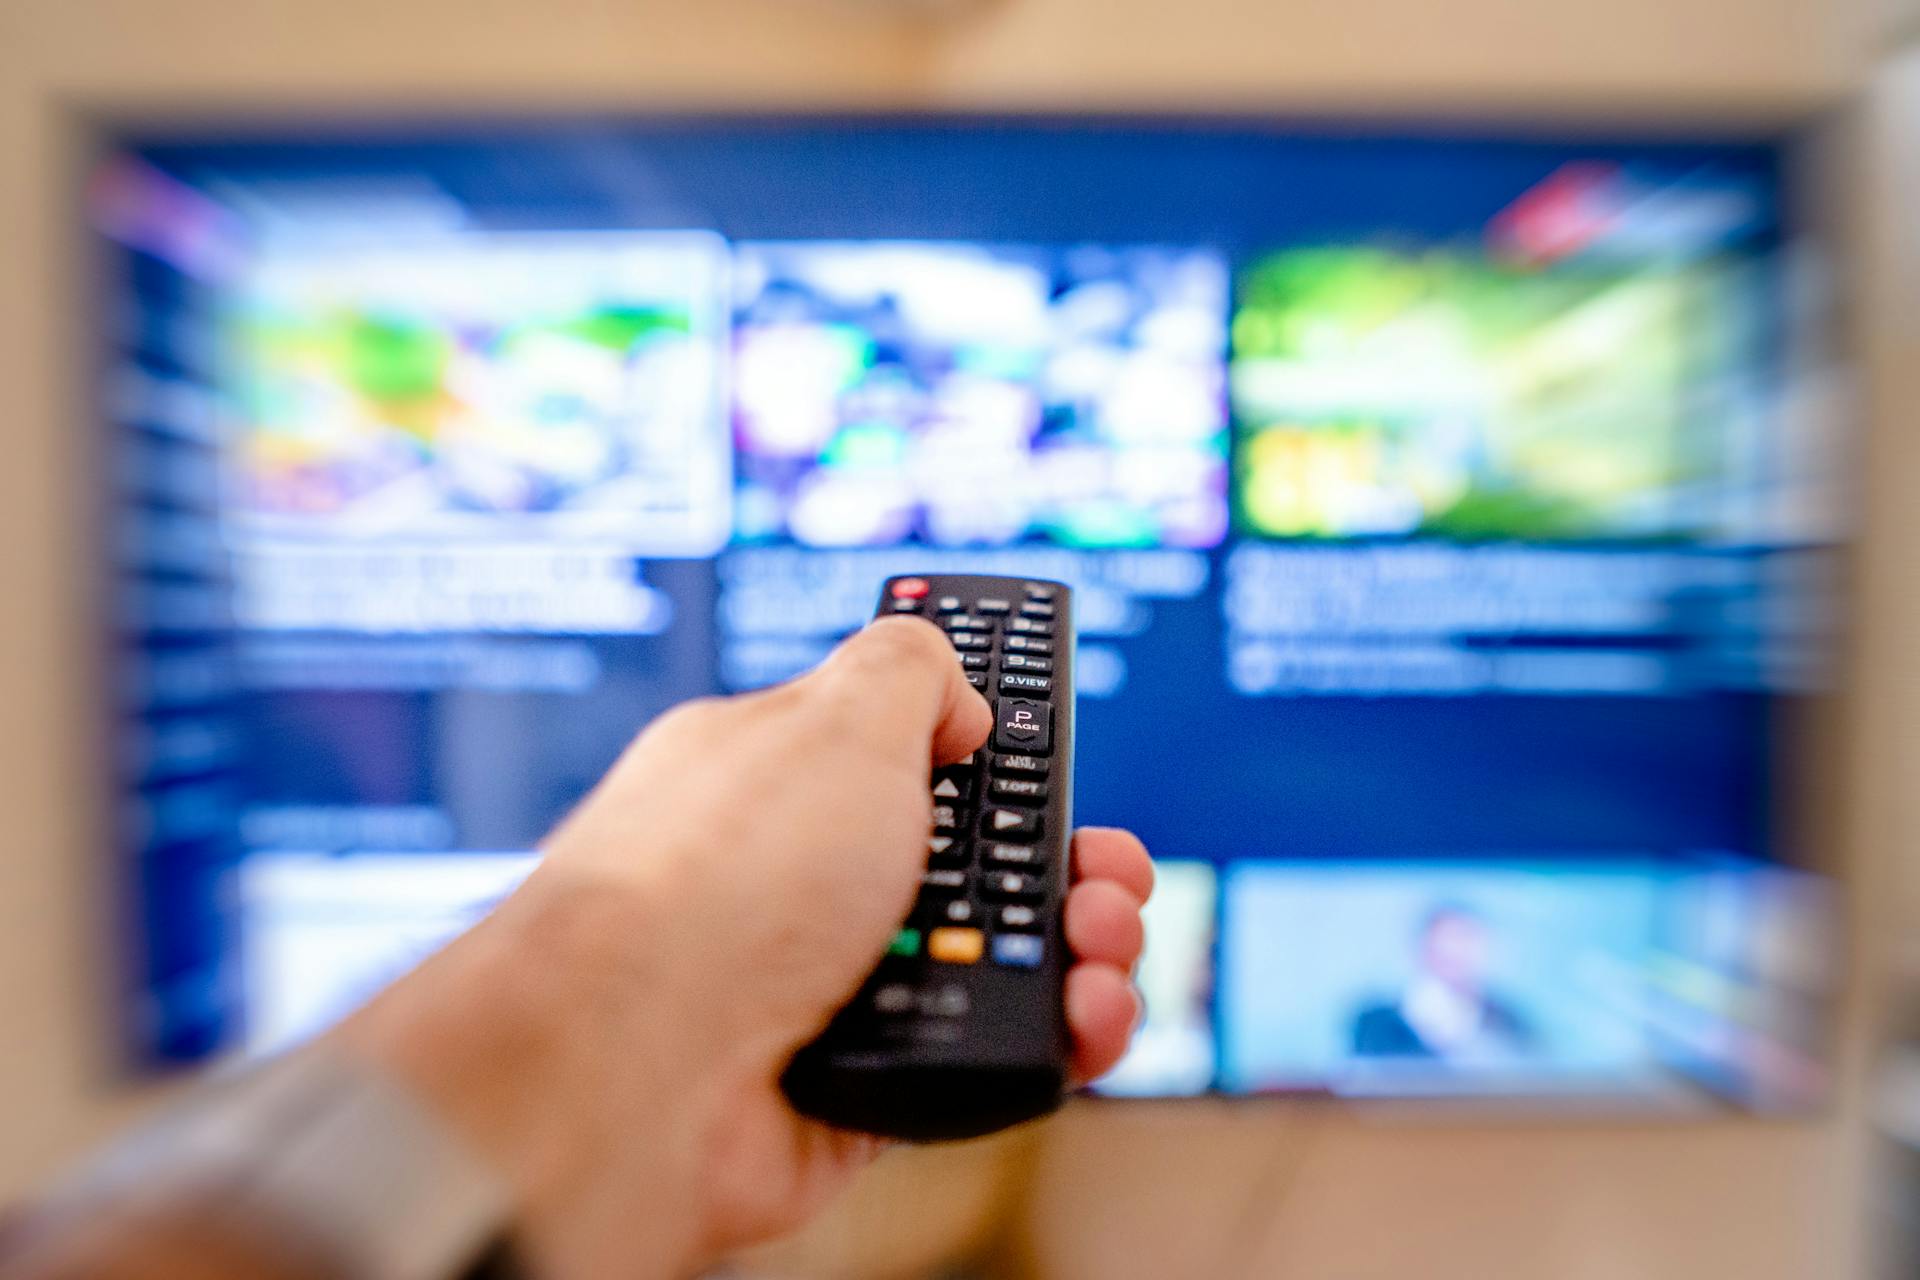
[1108,1192]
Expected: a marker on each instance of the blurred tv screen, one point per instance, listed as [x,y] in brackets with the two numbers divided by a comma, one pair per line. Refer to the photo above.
[1447,561]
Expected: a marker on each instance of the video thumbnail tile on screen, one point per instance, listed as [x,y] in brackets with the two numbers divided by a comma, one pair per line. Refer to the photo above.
[968,394]
[1439,391]
[491,426]
[1399,978]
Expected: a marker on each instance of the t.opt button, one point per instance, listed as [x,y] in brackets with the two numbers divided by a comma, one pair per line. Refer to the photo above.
[1023,725]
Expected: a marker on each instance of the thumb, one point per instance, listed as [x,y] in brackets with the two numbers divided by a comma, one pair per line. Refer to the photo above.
[898,685]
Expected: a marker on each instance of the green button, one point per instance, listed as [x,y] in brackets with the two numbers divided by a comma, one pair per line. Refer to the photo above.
[905,943]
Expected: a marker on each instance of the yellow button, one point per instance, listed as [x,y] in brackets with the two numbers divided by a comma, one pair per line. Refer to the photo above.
[956,946]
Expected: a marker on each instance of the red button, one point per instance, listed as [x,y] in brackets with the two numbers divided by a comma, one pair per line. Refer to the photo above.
[910,588]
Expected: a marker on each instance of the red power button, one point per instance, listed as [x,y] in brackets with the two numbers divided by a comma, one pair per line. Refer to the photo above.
[909,588]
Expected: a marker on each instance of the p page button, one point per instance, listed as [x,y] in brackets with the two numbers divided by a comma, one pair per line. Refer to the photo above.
[1023,725]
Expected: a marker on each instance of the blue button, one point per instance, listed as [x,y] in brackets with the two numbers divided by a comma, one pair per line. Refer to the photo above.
[1021,950]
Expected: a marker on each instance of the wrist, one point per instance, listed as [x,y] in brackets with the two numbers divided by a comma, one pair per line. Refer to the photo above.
[537,1037]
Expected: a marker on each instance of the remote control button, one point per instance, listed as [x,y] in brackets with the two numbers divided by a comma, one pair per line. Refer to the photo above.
[1020,790]
[909,589]
[1019,764]
[950,604]
[969,640]
[978,679]
[1030,626]
[992,606]
[905,943]
[1039,591]
[1013,884]
[957,911]
[946,851]
[1019,950]
[895,997]
[1022,682]
[946,1002]
[1010,822]
[947,817]
[956,946]
[944,880]
[1019,917]
[1036,609]
[967,622]
[1024,725]
[1026,644]
[974,661]
[1016,856]
[905,606]
[1026,662]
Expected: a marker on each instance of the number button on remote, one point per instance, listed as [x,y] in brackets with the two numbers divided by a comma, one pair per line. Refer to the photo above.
[1026,662]
[1027,644]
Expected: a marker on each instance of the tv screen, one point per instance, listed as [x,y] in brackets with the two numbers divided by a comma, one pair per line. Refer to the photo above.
[1445,555]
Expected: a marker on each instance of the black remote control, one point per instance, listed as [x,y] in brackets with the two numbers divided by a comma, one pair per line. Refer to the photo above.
[960,1029]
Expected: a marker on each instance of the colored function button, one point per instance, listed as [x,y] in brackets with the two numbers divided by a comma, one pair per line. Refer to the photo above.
[1023,682]
[1019,950]
[1019,764]
[1010,822]
[1030,626]
[905,943]
[1026,644]
[1020,790]
[956,946]
[1026,662]
[909,588]
[1024,725]
[1019,917]
[992,606]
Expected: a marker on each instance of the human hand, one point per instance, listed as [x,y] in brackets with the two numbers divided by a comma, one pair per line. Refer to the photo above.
[613,1036]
